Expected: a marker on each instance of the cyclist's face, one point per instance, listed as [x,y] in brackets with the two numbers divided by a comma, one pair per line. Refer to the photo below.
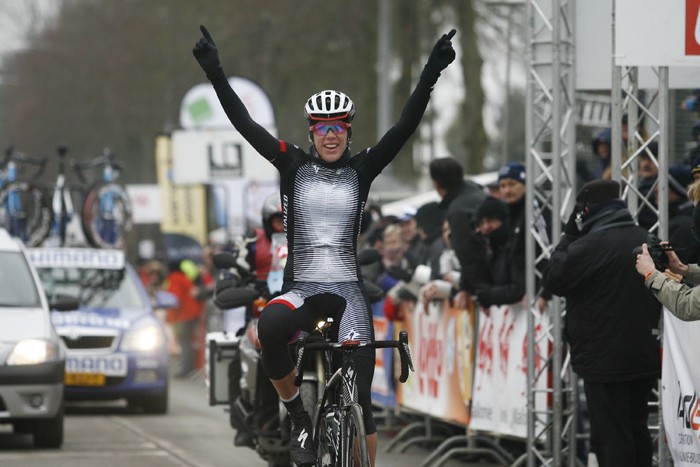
[331,145]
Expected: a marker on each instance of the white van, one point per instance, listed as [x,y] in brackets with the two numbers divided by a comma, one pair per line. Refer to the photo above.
[32,356]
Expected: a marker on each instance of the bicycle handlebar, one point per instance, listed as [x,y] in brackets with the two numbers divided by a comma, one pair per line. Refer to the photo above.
[12,155]
[349,346]
[106,159]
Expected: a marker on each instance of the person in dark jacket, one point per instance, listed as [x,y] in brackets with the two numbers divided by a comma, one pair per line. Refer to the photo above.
[680,214]
[460,198]
[506,282]
[512,188]
[611,321]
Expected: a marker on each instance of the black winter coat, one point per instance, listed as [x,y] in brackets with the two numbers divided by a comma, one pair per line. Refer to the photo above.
[460,206]
[611,321]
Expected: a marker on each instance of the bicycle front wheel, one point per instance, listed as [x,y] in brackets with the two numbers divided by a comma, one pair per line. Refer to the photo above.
[25,212]
[353,443]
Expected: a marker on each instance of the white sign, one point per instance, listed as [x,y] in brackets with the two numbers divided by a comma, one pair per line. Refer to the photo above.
[200,107]
[680,380]
[145,203]
[86,258]
[657,33]
[205,156]
[108,365]
[594,45]
[499,394]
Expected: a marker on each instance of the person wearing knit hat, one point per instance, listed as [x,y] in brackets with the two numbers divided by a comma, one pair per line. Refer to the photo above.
[598,191]
[611,321]
[511,182]
[512,190]
[505,281]
[492,209]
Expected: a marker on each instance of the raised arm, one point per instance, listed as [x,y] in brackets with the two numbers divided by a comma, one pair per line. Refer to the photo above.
[440,57]
[207,55]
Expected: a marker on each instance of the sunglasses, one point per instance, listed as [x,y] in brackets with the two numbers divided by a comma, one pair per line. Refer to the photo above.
[338,128]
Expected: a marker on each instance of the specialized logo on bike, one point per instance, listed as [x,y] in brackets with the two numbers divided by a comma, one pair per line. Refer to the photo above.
[302,438]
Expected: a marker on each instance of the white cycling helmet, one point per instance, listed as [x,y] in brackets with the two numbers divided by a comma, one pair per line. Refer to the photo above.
[329,105]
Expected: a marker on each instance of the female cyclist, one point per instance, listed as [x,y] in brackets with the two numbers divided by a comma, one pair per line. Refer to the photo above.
[323,193]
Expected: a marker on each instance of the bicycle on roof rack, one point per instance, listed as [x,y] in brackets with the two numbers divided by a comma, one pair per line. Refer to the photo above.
[24,209]
[339,429]
[106,212]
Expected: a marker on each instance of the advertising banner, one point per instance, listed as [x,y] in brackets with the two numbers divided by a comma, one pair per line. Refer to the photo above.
[499,400]
[681,384]
[383,384]
[184,206]
[440,339]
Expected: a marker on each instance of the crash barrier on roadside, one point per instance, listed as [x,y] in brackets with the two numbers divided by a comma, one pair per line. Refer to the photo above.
[680,387]
[454,368]
[499,396]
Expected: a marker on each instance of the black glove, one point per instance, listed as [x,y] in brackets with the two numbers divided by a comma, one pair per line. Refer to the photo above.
[571,228]
[207,55]
[442,55]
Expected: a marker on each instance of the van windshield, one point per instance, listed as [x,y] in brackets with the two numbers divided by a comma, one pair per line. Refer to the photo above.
[17,287]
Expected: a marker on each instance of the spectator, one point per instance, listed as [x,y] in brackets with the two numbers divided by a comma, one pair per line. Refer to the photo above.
[511,181]
[674,290]
[506,279]
[648,173]
[460,199]
[610,323]
[186,318]
[695,168]
[395,264]
[409,233]
[446,284]
[602,148]
[680,212]
[429,221]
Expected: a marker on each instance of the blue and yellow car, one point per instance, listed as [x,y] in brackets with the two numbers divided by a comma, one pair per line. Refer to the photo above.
[116,345]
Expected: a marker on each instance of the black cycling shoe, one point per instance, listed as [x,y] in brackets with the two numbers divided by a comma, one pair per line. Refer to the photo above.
[243,438]
[301,442]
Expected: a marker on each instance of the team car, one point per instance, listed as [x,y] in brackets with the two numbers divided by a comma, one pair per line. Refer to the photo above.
[116,345]
[32,357]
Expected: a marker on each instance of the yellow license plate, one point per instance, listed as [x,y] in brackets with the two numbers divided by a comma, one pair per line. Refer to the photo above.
[85,379]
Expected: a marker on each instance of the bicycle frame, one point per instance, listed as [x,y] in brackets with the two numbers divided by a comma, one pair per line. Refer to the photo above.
[338,409]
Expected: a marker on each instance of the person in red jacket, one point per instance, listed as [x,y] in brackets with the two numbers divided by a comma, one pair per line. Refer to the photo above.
[181,281]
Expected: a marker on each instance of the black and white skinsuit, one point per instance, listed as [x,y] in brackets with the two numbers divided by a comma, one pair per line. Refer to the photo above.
[322,204]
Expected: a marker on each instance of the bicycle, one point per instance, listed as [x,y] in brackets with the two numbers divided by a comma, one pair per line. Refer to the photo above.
[339,430]
[24,209]
[106,211]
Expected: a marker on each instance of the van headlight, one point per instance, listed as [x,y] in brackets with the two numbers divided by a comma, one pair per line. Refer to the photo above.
[145,339]
[33,352]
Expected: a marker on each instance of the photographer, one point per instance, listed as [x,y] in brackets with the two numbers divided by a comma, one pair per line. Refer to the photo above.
[610,322]
[681,299]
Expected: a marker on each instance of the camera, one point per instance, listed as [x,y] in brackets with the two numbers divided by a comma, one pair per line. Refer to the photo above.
[657,251]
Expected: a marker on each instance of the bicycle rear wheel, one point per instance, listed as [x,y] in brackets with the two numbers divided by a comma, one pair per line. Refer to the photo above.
[107,215]
[353,449]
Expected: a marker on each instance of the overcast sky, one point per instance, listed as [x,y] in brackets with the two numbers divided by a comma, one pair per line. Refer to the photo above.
[17,17]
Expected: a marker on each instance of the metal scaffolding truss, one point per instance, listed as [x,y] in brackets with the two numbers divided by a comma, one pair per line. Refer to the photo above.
[647,123]
[551,175]
[551,114]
